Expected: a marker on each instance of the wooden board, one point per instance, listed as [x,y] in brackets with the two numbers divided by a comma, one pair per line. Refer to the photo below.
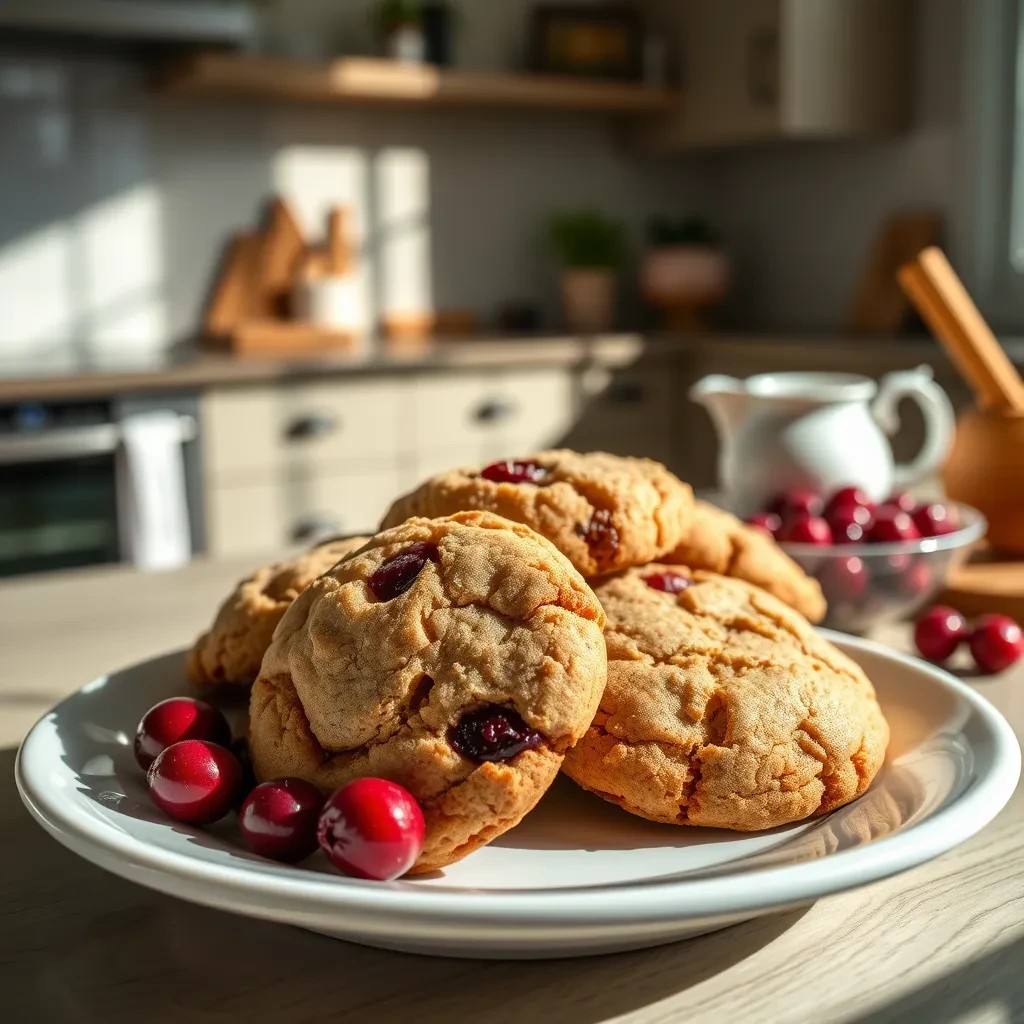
[287,337]
[987,582]
[359,80]
[281,253]
[879,305]
[233,296]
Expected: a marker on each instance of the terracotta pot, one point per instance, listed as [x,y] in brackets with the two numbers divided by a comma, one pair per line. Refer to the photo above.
[986,469]
[588,298]
[692,275]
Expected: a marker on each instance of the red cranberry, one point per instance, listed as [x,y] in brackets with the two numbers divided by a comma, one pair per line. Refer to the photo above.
[849,523]
[514,472]
[395,576]
[848,496]
[996,643]
[767,521]
[602,537]
[892,525]
[844,580]
[279,819]
[935,519]
[903,500]
[939,632]
[668,582]
[917,580]
[174,719]
[195,781]
[372,828]
[796,503]
[806,530]
[492,733]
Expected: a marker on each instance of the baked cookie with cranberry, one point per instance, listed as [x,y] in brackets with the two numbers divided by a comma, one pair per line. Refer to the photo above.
[231,650]
[719,542]
[723,707]
[603,512]
[460,657]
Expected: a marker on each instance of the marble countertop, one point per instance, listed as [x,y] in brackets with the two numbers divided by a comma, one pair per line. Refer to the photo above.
[943,942]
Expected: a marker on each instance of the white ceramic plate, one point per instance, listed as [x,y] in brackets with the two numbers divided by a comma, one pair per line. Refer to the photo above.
[578,875]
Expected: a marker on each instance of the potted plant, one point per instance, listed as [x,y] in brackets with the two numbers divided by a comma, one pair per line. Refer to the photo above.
[685,271]
[400,29]
[591,248]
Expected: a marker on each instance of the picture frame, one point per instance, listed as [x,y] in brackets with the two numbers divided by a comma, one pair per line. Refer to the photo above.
[588,41]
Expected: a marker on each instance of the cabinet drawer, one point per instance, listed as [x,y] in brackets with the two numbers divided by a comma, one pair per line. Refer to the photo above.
[286,509]
[318,423]
[627,412]
[541,416]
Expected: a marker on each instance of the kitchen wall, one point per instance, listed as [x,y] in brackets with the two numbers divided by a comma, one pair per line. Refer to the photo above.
[800,217]
[114,203]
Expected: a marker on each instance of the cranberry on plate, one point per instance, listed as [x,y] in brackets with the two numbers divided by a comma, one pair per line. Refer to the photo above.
[996,642]
[935,519]
[174,719]
[195,781]
[806,530]
[796,503]
[770,522]
[892,525]
[939,632]
[372,828]
[279,819]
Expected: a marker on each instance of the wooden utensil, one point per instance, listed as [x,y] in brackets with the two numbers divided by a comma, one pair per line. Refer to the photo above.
[940,297]
[283,249]
[337,241]
[234,293]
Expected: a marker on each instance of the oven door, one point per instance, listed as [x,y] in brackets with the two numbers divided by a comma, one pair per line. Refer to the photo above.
[58,499]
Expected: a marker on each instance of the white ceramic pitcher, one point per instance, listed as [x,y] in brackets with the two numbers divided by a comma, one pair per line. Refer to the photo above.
[819,431]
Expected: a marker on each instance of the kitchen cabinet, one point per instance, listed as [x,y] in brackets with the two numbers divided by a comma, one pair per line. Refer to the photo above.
[785,69]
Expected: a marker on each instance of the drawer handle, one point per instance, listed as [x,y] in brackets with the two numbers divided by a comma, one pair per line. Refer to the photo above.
[494,410]
[315,528]
[626,392]
[303,428]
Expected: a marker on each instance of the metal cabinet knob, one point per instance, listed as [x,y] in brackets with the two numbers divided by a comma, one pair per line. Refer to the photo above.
[315,528]
[304,428]
[494,410]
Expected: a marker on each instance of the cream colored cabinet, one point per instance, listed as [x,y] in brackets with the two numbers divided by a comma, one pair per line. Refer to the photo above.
[785,69]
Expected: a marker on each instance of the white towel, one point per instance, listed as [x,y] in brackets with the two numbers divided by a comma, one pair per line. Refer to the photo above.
[153,510]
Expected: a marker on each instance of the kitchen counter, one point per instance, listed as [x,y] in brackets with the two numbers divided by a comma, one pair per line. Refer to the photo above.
[193,369]
[941,943]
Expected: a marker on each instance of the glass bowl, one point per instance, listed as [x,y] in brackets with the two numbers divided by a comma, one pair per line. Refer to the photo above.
[866,584]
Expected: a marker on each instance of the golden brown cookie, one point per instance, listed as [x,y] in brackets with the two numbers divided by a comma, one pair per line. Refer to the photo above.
[233,647]
[723,707]
[603,512]
[459,657]
[721,543]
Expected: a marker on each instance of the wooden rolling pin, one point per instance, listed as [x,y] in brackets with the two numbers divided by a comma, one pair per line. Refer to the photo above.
[932,285]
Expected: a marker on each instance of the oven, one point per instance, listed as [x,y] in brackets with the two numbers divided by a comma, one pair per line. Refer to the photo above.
[64,480]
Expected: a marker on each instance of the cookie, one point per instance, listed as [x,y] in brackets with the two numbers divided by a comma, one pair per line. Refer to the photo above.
[603,512]
[233,647]
[459,657]
[721,543]
[723,707]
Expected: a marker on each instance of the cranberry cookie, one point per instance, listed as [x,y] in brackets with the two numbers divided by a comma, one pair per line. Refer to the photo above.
[603,512]
[719,542]
[460,657]
[723,707]
[232,649]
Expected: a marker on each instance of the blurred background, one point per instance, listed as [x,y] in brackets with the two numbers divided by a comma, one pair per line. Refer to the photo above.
[264,265]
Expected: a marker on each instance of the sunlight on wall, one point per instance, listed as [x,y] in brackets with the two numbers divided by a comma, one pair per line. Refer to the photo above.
[402,232]
[91,284]
[315,178]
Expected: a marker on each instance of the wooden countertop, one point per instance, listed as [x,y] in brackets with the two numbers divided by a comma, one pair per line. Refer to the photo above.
[192,370]
[941,943]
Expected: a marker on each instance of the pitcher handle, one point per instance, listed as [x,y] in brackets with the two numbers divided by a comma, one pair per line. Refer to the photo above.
[938,420]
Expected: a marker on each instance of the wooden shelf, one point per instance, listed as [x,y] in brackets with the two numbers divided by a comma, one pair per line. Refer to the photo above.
[360,81]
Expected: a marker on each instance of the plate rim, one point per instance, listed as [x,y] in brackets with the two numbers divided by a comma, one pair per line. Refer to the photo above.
[753,891]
